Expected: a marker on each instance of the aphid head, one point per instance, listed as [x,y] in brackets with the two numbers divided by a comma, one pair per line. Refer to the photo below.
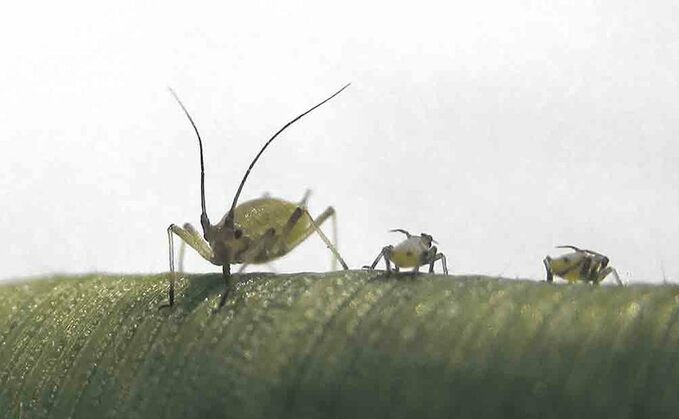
[548,262]
[427,239]
[604,262]
[225,241]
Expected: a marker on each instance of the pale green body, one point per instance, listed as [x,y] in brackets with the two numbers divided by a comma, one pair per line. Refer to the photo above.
[412,252]
[255,217]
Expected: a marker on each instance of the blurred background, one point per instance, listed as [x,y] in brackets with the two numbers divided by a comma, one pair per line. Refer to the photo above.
[502,128]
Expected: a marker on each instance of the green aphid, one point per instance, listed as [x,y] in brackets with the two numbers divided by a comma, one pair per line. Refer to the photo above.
[254,232]
[412,252]
[581,265]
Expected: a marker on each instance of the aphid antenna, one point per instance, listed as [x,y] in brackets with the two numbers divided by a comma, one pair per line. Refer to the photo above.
[400,230]
[430,237]
[568,246]
[204,220]
[229,217]
[592,252]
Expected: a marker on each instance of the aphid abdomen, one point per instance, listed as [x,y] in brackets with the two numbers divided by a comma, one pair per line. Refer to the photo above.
[256,216]
[267,218]
[568,267]
[408,253]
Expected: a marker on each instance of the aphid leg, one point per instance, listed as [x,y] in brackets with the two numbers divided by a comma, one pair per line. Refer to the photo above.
[302,202]
[315,226]
[376,261]
[550,276]
[442,258]
[263,244]
[609,270]
[182,245]
[444,263]
[226,273]
[281,243]
[332,214]
[384,253]
[333,263]
[429,256]
[192,239]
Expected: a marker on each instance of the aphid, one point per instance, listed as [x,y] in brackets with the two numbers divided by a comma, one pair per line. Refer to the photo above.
[580,265]
[256,231]
[412,252]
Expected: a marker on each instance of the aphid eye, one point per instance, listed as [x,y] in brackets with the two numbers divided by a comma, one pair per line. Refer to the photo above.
[238,233]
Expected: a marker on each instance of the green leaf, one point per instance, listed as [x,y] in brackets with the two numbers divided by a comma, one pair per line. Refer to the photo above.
[342,344]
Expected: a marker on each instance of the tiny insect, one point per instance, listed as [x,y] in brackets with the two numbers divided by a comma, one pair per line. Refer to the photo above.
[254,232]
[580,265]
[412,252]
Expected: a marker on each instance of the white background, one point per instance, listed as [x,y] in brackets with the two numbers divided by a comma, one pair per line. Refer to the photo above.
[502,128]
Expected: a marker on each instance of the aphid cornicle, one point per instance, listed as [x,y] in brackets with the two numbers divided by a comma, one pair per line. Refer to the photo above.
[412,252]
[256,231]
[580,265]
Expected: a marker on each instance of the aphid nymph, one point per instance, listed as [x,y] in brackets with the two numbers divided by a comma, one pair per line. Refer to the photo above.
[253,232]
[580,265]
[412,252]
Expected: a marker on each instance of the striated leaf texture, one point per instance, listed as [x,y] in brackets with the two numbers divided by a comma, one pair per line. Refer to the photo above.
[343,344]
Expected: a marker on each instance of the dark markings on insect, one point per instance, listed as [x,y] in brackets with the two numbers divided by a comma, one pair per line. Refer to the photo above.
[256,231]
[413,252]
[581,265]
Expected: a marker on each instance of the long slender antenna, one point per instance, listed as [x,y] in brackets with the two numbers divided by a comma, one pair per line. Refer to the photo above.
[203,214]
[580,250]
[400,230]
[247,173]
[568,246]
